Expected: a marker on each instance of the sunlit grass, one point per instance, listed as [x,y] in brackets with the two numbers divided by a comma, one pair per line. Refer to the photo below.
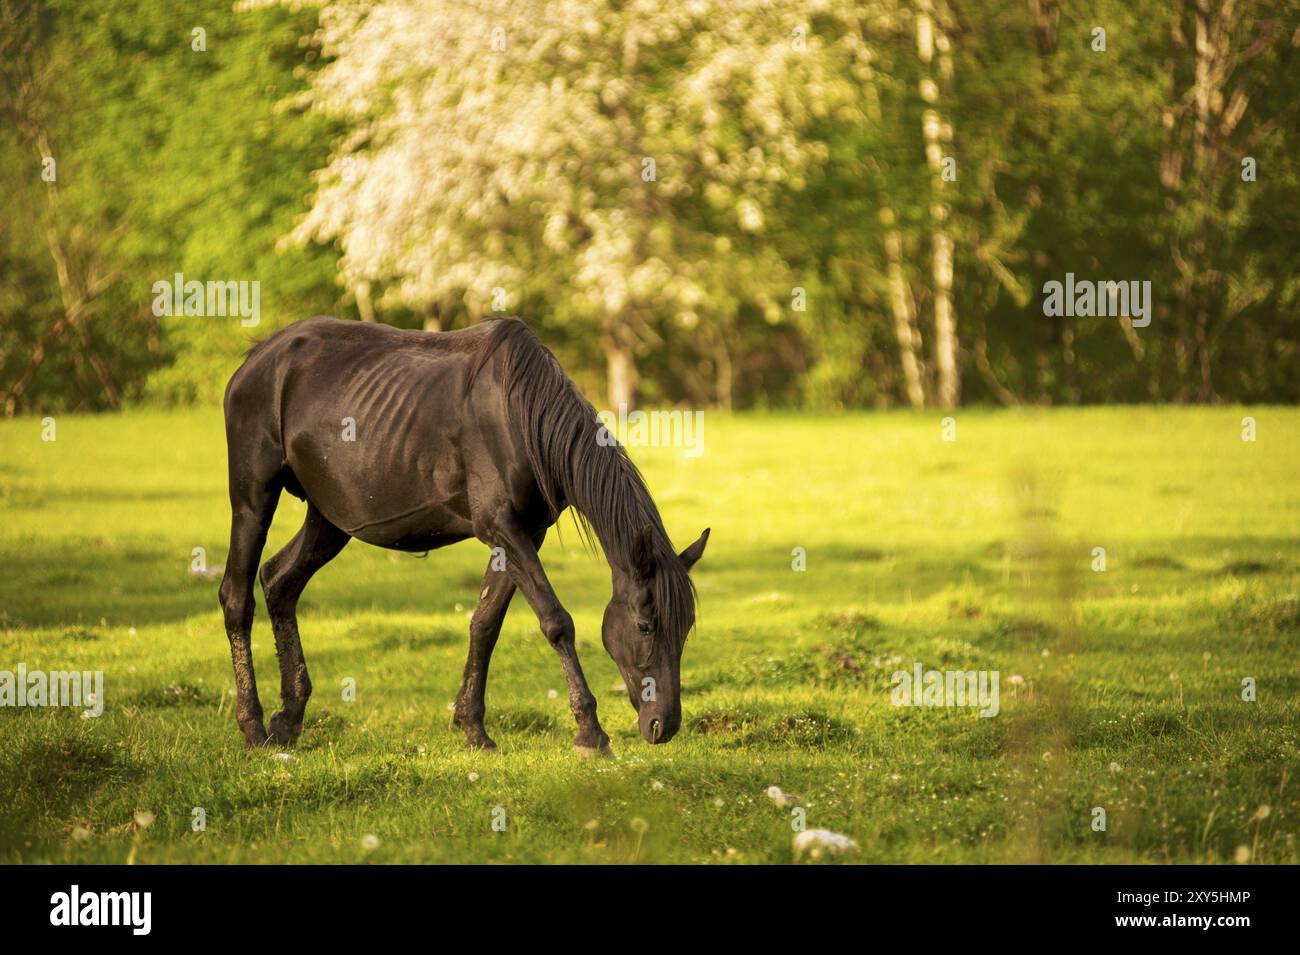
[973,554]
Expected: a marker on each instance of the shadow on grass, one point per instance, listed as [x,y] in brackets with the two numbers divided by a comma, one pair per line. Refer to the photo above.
[49,780]
[137,584]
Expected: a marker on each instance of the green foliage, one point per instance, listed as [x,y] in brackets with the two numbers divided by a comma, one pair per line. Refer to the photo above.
[343,149]
[169,159]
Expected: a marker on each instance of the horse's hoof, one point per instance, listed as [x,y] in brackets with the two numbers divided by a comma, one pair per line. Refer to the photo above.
[483,746]
[282,732]
[254,736]
[592,752]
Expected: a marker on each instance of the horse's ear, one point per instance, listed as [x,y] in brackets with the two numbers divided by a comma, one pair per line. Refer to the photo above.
[693,553]
[643,553]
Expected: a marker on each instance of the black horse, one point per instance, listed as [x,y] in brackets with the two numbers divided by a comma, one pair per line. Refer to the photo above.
[416,440]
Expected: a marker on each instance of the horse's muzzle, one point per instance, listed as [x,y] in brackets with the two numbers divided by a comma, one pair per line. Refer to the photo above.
[658,727]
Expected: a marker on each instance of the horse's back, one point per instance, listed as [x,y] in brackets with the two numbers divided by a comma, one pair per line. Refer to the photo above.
[324,355]
[361,340]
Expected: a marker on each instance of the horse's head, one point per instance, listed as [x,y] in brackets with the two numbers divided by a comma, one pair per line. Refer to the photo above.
[646,622]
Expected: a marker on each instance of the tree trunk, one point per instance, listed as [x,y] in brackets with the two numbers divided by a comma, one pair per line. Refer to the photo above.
[101,372]
[722,361]
[364,305]
[904,310]
[51,334]
[432,317]
[948,387]
[620,365]
[930,37]
[1000,391]
[1208,115]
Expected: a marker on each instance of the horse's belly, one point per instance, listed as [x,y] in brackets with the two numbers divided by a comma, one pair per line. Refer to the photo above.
[419,532]
[409,502]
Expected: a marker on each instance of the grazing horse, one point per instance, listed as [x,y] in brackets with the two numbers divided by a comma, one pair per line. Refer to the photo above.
[416,440]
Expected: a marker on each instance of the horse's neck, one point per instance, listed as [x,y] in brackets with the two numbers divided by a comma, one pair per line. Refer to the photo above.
[616,518]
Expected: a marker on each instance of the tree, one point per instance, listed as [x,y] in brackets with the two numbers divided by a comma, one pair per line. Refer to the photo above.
[617,157]
[133,151]
[77,253]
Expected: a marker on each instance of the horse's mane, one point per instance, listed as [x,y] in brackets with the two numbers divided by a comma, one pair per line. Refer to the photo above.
[572,467]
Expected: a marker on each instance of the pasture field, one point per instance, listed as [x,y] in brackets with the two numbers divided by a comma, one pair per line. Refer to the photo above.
[1120,689]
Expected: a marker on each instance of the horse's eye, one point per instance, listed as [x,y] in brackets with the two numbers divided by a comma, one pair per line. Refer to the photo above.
[645,629]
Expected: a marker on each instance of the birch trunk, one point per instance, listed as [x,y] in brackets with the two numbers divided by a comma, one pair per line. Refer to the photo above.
[904,310]
[937,70]
[1208,115]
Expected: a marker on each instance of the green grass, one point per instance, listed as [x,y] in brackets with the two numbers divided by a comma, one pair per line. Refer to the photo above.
[973,554]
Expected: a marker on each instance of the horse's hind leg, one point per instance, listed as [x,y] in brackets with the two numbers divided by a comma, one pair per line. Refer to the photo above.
[283,578]
[252,505]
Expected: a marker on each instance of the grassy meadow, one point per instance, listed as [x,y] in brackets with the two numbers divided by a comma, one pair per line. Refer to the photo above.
[1120,689]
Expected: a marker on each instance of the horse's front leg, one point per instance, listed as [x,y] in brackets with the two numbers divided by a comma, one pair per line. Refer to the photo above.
[525,567]
[484,628]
